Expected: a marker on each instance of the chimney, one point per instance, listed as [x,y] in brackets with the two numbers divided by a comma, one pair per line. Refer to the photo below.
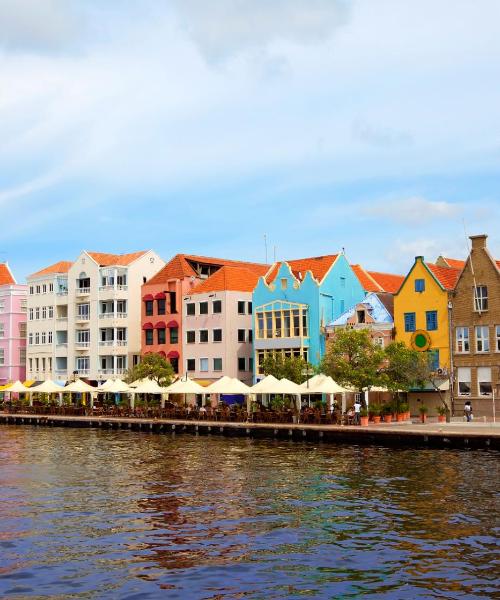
[478,241]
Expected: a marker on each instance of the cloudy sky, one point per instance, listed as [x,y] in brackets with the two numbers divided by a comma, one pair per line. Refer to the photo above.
[195,126]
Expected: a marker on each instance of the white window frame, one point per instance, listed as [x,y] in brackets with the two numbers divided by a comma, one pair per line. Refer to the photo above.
[497,338]
[208,365]
[464,370]
[462,339]
[483,340]
[477,298]
[484,376]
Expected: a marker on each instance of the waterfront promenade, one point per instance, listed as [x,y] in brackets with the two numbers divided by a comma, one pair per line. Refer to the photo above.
[454,434]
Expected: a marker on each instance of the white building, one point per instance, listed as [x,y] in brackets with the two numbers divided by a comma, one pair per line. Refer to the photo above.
[84,318]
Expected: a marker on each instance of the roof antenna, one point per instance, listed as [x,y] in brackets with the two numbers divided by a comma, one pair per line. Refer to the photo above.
[343,250]
[274,253]
[265,245]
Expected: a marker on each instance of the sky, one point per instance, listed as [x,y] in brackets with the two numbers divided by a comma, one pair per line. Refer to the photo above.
[201,127]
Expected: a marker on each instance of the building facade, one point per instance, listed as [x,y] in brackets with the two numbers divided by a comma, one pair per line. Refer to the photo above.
[294,302]
[421,311]
[84,317]
[163,296]
[13,308]
[218,336]
[476,331]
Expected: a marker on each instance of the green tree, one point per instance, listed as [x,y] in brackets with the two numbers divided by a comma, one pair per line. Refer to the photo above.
[403,368]
[352,359]
[154,367]
[294,368]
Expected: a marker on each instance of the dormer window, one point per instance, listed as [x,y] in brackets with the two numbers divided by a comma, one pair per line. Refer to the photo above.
[361,316]
[284,283]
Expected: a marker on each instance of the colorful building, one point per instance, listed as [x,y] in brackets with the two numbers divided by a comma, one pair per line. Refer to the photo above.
[13,306]
[476,331]
[163,329]
[218,336]
[421,310]
[376,281]
[294,302]
[375,313]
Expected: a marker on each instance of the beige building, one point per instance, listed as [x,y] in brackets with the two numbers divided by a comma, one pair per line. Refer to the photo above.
[84,317]
[476,331]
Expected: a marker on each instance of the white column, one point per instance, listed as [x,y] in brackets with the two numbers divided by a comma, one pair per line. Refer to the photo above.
[132,400]
[367,398]
[344,402]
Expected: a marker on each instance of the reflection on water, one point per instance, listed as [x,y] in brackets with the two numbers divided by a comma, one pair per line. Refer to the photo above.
[96,514]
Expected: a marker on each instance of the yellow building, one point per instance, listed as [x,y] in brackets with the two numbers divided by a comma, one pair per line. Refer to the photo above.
[421,310]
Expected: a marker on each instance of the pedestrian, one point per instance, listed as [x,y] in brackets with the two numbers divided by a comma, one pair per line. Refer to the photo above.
[357,411]
[468,411]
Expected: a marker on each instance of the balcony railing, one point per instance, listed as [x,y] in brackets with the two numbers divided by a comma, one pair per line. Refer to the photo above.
[110,343]
[83,372]
[62,293]
[82,291]
[84,345]
[82,318]
[111,371]
[113,288]
[59,318]
[110,315]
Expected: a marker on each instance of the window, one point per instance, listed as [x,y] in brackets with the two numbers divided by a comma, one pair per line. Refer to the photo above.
[431,320]
[44,312]
[31,314]
[37,313]
[32,290]
[149,337]
[51,287]
[217,364]
[217,335]
[44,337]
[2,356]
[161,335]
[30,339]
[462,339]
[241,335]
[174,335]
[204,365]
[250,364]
[250,336]
[480,298]
[203,308]
[190,337]
[44,288]
[2,330]
[82,363]
[484,381]
[249,308]
[361,316]
[482,339]
[49,337]
[242,363]
[83,311]
[37,339]
[22,356]
[379,341]
[121,307]
[410,322]
[464,381]
[342,282]
[24,305]
[433,359]
[161,306]
[38,289]
[284,285]
[149,308]
[241,307]
[203,336]
[216,307]
[31,364]
[83,337]
[191,309]
[498,337]
[420,285]
[51,312]
[191,364]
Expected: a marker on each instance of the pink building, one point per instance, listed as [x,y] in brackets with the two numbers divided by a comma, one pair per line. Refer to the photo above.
[13,302]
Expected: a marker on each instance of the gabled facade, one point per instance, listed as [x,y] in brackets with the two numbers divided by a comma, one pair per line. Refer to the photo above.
[421,312]
[163,298]
[13,307]
[476,330]
[375,313]
[218,338]
[294,302]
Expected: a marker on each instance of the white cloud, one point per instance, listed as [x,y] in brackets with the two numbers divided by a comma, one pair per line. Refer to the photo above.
[413,211]
[222,28]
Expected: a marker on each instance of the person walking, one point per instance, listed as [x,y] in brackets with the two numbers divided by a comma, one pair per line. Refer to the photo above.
[468,411]
[357,411]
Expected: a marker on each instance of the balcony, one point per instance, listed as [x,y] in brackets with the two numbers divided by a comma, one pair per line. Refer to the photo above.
[110,315]
[112,371]
[82,291]
[61,374]
[112,343]
[83,372]
[82,345]
[82,318]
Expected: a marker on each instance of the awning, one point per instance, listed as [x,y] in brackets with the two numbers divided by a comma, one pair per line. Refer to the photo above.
[161,353]
[148,326]
[173,325]
[148,297]
[160,325]
[160,296]
[173,354]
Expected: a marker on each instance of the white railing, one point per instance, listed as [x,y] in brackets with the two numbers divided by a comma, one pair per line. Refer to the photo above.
[106,342]
[61,318]
[106,371]
[122,288]
[83,371]
[82,344]
[65,344]
[121,315]
[82,291]
[121,342]
[62,293]
[106,315]
[61,372]
[82,318]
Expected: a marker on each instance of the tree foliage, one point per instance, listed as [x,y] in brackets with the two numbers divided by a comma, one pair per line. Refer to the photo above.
[152,366]
[404,368]
[294,368]
[352,359]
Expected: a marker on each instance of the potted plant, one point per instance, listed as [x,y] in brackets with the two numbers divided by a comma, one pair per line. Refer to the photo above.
[423,413]
[387,412]
[363,414]
[376,412]
[404,409]
[442,410]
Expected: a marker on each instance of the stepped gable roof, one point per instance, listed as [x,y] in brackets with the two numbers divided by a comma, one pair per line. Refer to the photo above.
[317,265]
[6,277]
[376,281]
[447,276]
[63,266]
[109,260]
[238,279]
[179,267]
[455,263]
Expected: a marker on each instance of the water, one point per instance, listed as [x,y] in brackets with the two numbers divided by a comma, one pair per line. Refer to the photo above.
[96,514]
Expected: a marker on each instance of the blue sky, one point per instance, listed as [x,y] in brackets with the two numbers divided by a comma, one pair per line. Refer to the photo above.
[194,126]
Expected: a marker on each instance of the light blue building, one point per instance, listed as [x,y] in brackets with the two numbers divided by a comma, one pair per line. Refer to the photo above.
[294,302]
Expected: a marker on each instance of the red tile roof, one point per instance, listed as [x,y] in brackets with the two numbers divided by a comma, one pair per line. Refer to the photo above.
[179,267]
[6,277]
[498,263]
[317,265]
[376,281]
[63,266]
[108,260]
[447,276]
[238,279]
[455,263]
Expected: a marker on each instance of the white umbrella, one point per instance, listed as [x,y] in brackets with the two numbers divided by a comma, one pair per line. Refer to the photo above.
[47,387]
[285,386]
[186,386]
[17,387]
[228,385]
[114,386]
[263,385]
[149,387]
[79,387]
[322,384]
